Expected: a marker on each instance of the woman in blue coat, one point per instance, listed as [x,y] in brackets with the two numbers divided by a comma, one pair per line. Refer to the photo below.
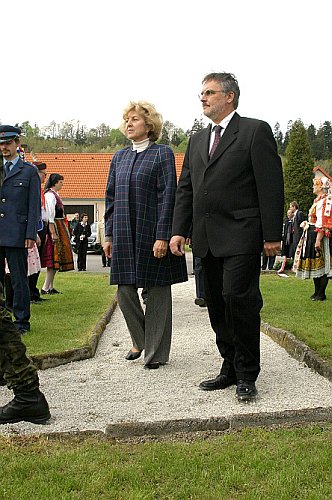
[140,198]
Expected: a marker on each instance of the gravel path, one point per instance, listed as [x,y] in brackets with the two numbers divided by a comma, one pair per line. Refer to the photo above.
[90,394]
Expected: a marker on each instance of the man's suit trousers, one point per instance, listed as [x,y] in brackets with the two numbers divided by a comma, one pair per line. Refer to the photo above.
[234,302]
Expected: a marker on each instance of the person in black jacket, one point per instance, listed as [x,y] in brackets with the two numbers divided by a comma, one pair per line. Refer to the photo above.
[82,232]
[298,218]
[20,213]
[231,190]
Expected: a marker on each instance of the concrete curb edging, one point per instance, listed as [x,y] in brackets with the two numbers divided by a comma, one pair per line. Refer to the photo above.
[298,350]
[164,429]
[51,360]
[127,430]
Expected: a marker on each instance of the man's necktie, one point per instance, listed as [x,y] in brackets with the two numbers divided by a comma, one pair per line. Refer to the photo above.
[217,130]
[7,167]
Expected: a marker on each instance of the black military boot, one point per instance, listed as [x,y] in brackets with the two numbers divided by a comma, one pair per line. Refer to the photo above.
[27,406]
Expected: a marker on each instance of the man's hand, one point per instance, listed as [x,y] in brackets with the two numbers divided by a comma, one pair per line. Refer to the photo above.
[177,245]
[107,247]
[272,248]
[29,243]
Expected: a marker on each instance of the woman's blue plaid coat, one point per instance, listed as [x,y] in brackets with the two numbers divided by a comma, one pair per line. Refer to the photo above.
[140,196]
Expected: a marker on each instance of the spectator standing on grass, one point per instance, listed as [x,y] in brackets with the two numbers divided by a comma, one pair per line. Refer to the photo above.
[20,212]
[100,240]
[74,222]
[287,240]
[58,255]
[298,218]
[82,232]
[313,256]
[33,265]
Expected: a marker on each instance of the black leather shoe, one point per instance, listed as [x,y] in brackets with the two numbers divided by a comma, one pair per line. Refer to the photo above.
[23,331]
[152,366]
[26,406]
[246,390]
[133,355]
[220,382]
[44,292]
[200,302]
[53,291]
[318,297]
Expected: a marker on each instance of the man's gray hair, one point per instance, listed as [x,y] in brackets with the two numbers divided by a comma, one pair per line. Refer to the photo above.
[228,83]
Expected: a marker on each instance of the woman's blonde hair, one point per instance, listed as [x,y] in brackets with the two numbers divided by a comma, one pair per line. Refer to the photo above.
[153,119]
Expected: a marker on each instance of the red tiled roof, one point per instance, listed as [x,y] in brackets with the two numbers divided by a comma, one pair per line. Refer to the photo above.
[85,174]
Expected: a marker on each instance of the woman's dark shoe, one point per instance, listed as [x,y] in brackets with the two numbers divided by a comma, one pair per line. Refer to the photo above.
[133,355]
[44,292]
[53,291]
[152,366]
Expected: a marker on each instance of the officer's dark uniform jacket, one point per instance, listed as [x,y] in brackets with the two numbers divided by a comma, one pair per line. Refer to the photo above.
[19,205]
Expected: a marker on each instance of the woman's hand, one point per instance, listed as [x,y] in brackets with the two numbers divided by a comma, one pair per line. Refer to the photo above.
[107,247]
[318,241]
[160,248]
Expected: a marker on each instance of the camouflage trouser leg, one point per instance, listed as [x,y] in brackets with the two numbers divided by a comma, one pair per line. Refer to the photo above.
[18,370]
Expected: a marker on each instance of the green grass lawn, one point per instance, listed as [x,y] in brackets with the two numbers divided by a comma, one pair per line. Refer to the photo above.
[287,305]
[250,464]
[66,321]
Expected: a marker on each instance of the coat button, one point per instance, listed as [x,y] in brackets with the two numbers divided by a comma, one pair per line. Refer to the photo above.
[3,200]
[2,215]
[205,192]
[207,214]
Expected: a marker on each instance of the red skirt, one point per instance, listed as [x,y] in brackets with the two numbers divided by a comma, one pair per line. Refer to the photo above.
[59,255]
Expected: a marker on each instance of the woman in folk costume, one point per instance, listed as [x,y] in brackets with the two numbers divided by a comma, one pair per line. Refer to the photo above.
[140,198]
[58,255]
[313,256]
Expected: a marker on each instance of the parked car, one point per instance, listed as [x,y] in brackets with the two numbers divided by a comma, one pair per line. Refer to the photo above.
[92,245]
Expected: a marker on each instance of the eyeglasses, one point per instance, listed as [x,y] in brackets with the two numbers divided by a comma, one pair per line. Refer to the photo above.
[208,93]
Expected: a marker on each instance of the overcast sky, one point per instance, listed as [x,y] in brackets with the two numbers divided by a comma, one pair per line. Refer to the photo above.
[78,60]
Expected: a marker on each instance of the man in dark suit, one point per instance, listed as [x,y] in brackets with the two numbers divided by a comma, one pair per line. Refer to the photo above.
[298,218]
[19,216]
[82,232]
[231,188]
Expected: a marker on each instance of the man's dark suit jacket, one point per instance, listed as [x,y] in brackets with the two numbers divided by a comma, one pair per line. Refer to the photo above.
[82,230]
[235,200]
[299,217]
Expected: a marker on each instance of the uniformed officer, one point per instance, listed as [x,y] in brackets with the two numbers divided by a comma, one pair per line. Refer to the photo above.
[19,216]
[20,374]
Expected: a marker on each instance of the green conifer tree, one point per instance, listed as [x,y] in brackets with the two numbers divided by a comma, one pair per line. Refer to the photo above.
[298,167]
